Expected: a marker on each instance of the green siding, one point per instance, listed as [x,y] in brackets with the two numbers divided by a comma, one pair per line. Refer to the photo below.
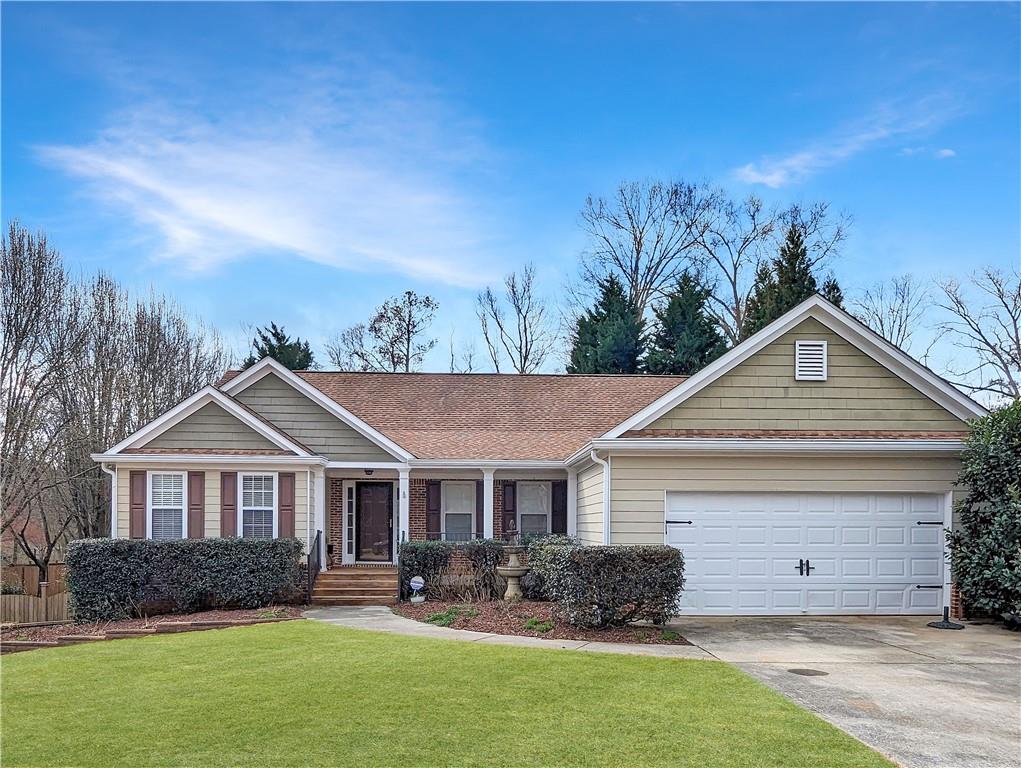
[211,427]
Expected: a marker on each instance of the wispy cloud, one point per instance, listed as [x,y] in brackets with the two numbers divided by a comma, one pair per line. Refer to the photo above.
[885,124]
[350,168]
[945,153]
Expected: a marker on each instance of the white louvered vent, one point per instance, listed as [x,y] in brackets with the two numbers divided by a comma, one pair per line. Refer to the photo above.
[810,360]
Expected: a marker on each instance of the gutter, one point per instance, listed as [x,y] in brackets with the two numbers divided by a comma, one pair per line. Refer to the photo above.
[113,498]
[606,493]
[789,446]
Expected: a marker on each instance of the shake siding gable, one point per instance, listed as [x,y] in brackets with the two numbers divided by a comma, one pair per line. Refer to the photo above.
[762,393]
[211,427]
[308,422]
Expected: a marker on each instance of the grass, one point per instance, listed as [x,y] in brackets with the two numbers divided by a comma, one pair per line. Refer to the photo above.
[300,693]
[449,616]
[538,625]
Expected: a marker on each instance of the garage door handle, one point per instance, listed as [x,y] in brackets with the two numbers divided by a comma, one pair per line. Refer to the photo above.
[926,586]
[929,522]
[801,567]
[666,528]
[809,567]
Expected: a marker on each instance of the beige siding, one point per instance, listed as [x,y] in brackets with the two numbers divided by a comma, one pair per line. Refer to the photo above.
[639,483]
[211,427]
[590,505]
[307,422]
[761,393]
[212,494]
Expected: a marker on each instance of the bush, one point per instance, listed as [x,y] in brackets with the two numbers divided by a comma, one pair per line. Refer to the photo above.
[426,559]
[483,555]
[532,586]
[9,588]
[611,586]
[985,549]
[111,579]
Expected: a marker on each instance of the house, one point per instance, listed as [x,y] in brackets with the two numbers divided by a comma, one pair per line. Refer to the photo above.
[809,470]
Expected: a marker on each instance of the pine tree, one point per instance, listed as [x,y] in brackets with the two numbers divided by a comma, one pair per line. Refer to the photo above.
[686,338]
[610,337]
[274,342]
[784,283]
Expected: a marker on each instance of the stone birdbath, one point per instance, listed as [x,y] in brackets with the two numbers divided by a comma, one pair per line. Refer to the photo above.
[513,572]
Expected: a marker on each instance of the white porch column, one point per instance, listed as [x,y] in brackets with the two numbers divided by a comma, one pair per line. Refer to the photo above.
[572,502]
[487,503]
[404,506]
[319,478]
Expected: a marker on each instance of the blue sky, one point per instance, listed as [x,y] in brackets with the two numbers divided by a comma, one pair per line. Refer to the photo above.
[302,162]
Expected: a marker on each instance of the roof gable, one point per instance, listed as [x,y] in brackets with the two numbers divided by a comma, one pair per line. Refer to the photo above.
[880,362]
[210,427]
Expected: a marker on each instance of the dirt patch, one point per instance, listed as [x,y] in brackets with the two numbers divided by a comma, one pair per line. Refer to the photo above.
[531,619]
[53,631]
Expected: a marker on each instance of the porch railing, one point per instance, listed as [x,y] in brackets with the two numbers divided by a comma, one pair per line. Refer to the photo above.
[315,562]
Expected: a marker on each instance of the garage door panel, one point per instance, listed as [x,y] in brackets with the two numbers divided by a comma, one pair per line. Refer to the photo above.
[867,552]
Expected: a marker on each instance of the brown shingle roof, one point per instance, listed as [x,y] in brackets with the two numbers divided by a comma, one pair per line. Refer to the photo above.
[489,416]
[799,433]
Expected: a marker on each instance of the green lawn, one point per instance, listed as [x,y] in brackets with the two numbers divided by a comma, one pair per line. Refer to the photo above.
[301,693]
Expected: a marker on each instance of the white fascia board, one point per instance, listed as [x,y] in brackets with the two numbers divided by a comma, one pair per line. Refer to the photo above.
[580,456]
[484,464]
[268,365]
[778,445]
[398,465]
[838,321]
[170,458]
[187,407]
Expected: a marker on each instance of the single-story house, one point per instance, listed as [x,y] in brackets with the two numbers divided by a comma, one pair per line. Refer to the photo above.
[810,470]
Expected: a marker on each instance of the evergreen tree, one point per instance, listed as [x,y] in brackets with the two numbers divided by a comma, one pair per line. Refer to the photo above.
[686,338]
[783,284]
[273,342]
[610,337]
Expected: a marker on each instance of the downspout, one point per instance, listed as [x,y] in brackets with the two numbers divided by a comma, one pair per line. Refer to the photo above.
[594,455]
[113,497]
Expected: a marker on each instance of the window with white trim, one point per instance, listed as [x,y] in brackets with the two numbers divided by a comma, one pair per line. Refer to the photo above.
[167,505]
[258,507]
[458,508]
[533,502]
[809,360]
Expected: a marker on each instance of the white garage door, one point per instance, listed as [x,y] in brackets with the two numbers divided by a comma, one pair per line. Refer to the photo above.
[775,553]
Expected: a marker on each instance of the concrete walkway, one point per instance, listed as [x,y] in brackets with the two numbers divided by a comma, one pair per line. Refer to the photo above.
[382,619]
[925,698]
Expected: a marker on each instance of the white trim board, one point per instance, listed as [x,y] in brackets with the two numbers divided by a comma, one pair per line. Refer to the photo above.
[845,326]
[167,459]
[779,445]
[268,365]
[187,407]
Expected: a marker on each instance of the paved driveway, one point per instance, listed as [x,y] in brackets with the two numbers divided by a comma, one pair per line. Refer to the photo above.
[924,697]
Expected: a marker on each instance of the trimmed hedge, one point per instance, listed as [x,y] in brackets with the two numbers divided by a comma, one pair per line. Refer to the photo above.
[532,585]
[611,585]
[110,579]
[426,559]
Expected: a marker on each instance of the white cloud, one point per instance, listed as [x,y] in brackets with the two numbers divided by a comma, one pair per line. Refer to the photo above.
[358,171]
[945,153]
[885,124]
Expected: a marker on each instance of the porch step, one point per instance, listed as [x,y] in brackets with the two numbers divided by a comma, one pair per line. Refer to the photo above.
[356,585]
[355,600]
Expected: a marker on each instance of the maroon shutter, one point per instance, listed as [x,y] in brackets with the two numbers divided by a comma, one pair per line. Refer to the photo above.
[285,486]
[558,506]
[432,509]
[510,519]
[196,505]
[480,505]
[228,504]
[136,504]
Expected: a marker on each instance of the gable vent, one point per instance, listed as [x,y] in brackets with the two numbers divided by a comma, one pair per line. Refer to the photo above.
[810,360]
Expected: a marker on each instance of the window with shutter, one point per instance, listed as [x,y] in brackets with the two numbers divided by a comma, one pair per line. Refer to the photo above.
[166,505]
[533,507]
[810,360]
[458,511]
[258,508]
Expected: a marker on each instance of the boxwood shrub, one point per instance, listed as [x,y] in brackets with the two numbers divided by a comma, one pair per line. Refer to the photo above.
[109,579]
[611,585]
[426,559]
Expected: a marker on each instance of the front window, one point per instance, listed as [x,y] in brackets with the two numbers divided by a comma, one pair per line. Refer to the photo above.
[258,506]
[458,511]
[533,508]
[166,505]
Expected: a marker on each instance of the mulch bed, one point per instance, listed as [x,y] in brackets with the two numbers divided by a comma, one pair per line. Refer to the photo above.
[499,618]
[99,630]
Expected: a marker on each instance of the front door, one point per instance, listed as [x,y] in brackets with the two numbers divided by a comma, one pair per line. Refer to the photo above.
[374,505]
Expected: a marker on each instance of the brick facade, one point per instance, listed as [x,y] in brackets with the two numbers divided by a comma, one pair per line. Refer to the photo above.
[335,518]
[956,603]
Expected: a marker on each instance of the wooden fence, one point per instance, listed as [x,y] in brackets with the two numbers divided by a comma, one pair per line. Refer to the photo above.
[29,609]
[28,577]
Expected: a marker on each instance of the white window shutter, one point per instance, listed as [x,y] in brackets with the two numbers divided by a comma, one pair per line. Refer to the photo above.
[810,360]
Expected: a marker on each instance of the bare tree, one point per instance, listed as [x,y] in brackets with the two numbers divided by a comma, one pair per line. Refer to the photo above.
[739,237]
[893,309]
[462,358]
[393,339]
[518,325]
[645,235]
[989,330]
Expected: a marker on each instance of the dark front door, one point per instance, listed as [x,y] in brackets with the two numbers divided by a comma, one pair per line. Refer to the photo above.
[374,521]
